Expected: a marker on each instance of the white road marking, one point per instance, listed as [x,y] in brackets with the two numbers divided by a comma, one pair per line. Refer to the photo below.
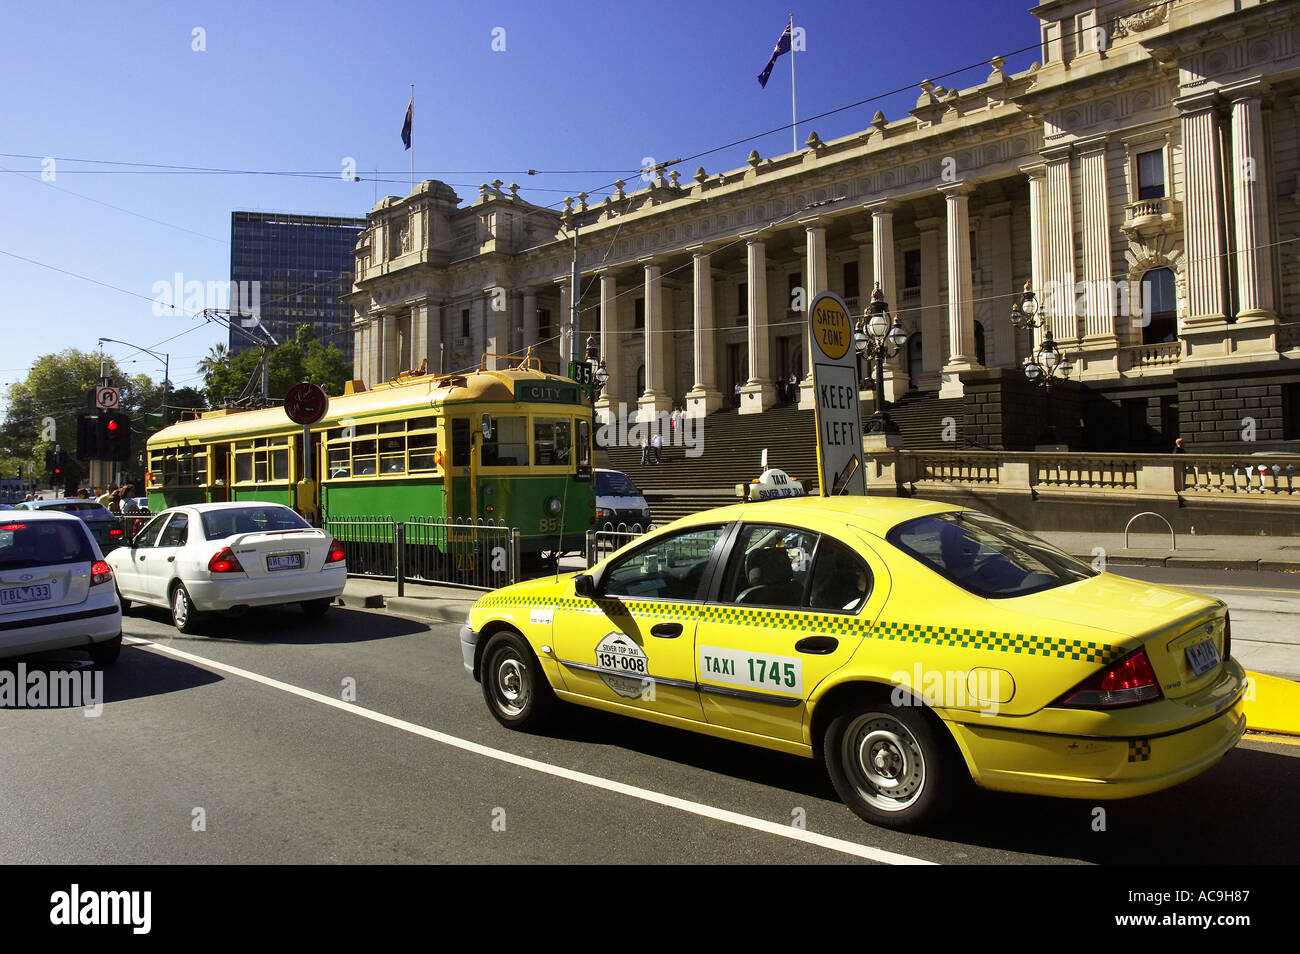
[595,781]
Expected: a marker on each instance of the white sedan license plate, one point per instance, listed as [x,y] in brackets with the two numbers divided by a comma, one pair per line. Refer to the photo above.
[24,594]
[284,561]
[1203,656]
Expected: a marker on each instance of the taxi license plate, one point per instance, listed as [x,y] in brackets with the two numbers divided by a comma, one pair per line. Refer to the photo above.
[1203,656]
[284,561]
[24,594]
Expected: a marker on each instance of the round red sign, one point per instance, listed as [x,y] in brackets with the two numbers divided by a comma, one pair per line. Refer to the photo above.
[306,403]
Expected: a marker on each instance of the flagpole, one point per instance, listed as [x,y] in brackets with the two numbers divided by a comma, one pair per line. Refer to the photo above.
[794,116]
[412,138]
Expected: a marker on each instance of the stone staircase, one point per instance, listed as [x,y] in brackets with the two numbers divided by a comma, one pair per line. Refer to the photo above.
[732,447]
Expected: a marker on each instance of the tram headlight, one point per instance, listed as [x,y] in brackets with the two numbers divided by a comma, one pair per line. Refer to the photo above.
[554,506]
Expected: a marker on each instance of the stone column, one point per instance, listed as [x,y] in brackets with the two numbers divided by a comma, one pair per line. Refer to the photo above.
[477,330]
[388,359]
[704,397]
[358,353]
[758,393]
[564,322]
[932,312]
[884,271]
[1252,205]
[656,399]
[1099,321]
[961,286]
[530,318]
[814,285]
[1058,295]
[1037,175]
[1206,297]
[611,350]
[496,306]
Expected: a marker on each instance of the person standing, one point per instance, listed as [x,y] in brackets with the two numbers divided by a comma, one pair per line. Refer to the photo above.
[645,452]
[1178,447]
[658,445]
[108,497]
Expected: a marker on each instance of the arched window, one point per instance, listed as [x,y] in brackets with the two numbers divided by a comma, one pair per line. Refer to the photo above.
[979,342]
[640,380]
[1159,306]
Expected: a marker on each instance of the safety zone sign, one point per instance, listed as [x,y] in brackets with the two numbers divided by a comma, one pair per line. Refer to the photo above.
[835,383]
[106,398]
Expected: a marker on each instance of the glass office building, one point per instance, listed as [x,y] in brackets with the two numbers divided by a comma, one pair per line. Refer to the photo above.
[303,265]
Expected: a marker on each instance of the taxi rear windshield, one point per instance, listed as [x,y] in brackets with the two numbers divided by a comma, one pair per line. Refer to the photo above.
[986,556]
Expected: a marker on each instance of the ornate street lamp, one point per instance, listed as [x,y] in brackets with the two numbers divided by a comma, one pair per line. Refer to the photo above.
[879,336]
[599,374]
[1046,365]
[1025,313]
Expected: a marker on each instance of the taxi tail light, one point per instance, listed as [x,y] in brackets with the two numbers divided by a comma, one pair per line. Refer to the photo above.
[335,554]
[1227,636]
[100,572]
[1126,683]
[225,562]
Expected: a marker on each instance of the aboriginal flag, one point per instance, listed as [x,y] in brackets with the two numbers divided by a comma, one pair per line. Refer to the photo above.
[406,125]
[782,46]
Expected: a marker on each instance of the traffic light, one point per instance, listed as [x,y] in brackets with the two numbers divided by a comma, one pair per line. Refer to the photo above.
[114,436]
[49,462]
[87,436]
[60,466]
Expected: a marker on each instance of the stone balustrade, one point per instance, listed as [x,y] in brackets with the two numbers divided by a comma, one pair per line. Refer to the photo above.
[1270,476]
[1163,354]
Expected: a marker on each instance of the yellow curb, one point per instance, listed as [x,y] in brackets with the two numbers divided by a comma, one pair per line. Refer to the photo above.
[1273,704]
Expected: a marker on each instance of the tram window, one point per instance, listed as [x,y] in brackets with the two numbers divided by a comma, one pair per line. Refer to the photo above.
[392,427]
[421,423]
[460,442]
[508,444]
[363,458]
[551,441]
[280,464]
[584,442]
[340,463]
[422,449]
[392,453]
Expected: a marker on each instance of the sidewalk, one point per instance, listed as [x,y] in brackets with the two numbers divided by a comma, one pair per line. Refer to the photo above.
[1192,552]
[435,604]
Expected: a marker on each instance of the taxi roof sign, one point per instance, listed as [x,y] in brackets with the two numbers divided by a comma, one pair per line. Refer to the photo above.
[772,485]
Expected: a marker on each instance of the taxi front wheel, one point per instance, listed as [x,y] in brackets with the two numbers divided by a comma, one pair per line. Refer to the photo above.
[891,765]
[514,686]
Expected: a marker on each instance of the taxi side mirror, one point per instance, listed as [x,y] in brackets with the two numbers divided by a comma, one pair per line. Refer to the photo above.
[584,585]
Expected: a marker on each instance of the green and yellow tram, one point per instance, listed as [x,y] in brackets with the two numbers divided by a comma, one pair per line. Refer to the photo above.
[507,447]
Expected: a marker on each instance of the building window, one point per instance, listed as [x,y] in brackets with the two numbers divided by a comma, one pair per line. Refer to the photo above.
[464,322]
[974,258]
[1290,412]
[979,343]
[638,320]
[851,288]
[1151,174]
[742,302]
[544,323]
[1159,306]
[912,268]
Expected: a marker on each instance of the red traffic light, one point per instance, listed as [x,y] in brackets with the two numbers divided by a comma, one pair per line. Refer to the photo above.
[111,425]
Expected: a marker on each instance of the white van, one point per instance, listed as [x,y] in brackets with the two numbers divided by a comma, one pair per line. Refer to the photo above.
[619,502]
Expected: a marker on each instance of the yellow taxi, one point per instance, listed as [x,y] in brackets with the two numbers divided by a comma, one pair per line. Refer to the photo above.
[913,646]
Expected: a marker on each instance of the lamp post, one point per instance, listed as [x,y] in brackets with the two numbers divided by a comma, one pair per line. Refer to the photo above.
[878,336]
[164,357]
[1046,362]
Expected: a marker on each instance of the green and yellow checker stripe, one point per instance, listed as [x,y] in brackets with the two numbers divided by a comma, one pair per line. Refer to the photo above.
[1139,750]
[830,624]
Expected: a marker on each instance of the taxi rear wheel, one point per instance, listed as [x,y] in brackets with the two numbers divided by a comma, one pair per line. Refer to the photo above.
[514,686]
[891,765]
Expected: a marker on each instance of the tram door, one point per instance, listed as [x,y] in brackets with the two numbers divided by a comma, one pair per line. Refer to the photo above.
[219,485]
[459,479]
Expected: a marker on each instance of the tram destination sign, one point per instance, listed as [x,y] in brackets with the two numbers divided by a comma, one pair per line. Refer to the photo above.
[546,392]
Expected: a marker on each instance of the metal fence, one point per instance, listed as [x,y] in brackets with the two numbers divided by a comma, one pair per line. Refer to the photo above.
[601,543]
[480,554]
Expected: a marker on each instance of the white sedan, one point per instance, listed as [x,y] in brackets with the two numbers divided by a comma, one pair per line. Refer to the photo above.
[229,557]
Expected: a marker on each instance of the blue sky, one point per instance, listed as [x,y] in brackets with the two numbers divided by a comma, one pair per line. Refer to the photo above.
[303,87]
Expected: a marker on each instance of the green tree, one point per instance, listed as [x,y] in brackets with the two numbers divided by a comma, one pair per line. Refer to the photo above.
[302,359]
[43,409]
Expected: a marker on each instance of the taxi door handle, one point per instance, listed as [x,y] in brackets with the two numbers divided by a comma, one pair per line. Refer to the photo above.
[171,559]
[666,630]
[817,645]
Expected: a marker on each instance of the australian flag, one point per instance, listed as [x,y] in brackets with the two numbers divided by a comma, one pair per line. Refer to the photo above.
[410,113]
[782,46]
